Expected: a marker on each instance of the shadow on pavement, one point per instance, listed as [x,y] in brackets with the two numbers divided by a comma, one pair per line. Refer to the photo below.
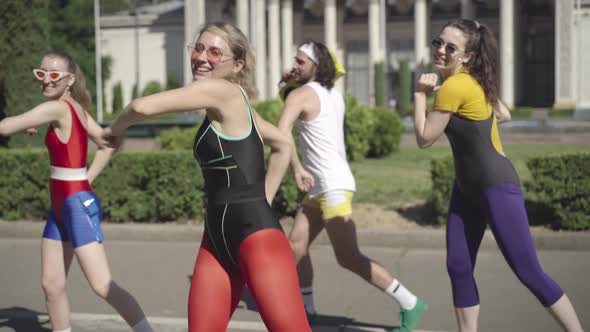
[346,324]
[22,320]
[343,323]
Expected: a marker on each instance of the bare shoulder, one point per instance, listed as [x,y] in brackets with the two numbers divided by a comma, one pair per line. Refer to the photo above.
[301,95]
[55,107]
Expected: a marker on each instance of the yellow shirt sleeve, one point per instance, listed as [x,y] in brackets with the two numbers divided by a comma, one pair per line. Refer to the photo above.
[450,96]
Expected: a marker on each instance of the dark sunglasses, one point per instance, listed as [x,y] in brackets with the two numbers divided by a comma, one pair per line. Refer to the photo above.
[437,43]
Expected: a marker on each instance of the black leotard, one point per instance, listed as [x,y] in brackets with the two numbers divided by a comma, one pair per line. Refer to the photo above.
[478,166]
[233,170]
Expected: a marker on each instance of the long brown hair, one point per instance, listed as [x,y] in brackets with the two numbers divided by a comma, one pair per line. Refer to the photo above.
[483,64]
[78,90]
[325,68]
[240,47]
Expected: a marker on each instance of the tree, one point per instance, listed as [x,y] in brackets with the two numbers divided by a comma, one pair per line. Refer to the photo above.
[23,38]
[72,30]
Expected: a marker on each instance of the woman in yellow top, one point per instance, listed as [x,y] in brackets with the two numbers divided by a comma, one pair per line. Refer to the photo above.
[487,189]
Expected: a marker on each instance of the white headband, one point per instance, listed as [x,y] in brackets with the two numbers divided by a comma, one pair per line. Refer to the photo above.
[308,50]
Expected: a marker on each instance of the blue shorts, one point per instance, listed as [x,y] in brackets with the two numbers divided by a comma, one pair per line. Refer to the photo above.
[81,214]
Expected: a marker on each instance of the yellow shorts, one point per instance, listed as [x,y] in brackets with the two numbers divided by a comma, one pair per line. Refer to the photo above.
[336,203]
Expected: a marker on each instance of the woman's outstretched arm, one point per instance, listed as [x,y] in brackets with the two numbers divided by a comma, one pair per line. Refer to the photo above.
[210,94]
[48,112]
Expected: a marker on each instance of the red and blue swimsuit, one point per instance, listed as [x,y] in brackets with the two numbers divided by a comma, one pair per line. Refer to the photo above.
[75,210]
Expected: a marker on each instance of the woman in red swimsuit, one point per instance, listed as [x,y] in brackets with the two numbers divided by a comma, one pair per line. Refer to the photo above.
[73,226]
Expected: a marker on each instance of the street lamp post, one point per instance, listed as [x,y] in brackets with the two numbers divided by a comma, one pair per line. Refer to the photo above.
[98,62]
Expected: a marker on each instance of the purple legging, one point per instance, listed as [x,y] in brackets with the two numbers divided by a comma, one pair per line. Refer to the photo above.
[502,206]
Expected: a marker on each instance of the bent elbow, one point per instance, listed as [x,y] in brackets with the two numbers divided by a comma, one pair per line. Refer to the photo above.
[423,143]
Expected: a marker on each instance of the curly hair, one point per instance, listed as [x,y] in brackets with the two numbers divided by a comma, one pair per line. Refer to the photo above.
[325,68]
[483,64]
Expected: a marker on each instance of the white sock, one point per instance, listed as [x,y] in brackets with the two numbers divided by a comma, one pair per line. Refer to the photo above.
[402,295]
[69,329]
[143,326]
[307,295]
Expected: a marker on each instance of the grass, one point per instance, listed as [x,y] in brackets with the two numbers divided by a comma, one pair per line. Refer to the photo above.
[404,177]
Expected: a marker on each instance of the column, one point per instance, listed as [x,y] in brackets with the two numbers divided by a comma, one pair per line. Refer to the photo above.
[243,16]
[287,47]
[260,48]
[564,55]
[374,46]
[507,52]
[274,46]
[420,31]
[330,24]
[194,18]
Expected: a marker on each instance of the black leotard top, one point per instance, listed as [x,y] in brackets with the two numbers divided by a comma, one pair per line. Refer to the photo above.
[234,173]
[473,133]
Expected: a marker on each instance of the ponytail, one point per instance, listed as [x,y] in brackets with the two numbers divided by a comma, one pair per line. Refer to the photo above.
[483,64]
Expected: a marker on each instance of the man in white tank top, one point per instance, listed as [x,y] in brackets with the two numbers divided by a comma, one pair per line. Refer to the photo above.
[317,110]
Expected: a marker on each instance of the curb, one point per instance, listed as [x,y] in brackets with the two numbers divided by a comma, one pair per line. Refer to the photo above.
[372,237]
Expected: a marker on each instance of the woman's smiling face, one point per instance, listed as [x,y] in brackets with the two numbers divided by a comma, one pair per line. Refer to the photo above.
[211,57]
[448,50]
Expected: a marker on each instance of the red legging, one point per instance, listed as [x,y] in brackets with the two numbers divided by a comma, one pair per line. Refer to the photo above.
[267,266]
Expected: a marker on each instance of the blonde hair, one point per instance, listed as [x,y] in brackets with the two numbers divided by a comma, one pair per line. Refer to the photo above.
[78,90]
[240,47]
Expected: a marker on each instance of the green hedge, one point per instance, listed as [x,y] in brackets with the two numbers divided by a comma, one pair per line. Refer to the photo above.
[563,182]
[24,184]
[521,112]
[143,187]
[177,139]
[561,113]
[560,187]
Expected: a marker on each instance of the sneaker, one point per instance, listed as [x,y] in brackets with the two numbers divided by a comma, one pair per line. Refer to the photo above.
[311,317]
[408,319]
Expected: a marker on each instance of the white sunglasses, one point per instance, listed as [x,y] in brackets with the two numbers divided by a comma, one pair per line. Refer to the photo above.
[54,75]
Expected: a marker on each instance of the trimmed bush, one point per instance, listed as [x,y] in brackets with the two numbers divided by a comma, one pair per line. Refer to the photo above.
[177,139]
[561,113]
[386,134]
[117,98]
[141,187]
[521,113]
[358,124]
[151,88]
[563,182]
[270,110]
[442,174]
[172,82]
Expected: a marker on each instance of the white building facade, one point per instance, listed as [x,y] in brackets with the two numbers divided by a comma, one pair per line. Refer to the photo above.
[541,42]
